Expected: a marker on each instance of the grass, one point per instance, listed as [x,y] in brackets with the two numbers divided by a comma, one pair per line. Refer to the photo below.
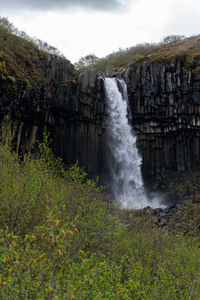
[186,50]
[22,57]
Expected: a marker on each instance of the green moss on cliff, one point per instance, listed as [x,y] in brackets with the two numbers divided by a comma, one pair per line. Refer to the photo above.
[196,70]
[8,83]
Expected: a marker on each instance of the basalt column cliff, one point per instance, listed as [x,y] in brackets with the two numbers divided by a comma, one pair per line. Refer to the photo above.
[70,108]
[164,100]
[77,124]
[165,105]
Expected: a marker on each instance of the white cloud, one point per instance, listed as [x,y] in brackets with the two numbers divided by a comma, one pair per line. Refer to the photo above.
[184,17]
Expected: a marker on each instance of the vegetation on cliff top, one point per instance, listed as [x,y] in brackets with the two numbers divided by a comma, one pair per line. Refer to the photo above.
[21,57]
[186,49]
[60,239]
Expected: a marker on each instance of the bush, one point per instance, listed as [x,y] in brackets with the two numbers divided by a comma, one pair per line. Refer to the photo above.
[32,267]
[172,39]
[60,240]
[27,189]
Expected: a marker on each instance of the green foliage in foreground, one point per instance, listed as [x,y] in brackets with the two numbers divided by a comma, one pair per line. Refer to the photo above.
[59,239]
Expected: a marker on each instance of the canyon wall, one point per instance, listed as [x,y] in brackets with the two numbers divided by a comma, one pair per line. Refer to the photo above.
[70,107]
[165,103]
[164,100]
[24,104]
[77,124]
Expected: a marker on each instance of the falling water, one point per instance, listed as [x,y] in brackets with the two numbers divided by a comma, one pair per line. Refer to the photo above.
[124,160]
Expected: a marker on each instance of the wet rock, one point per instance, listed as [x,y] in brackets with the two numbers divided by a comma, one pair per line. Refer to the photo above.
[162,222]
[163,215]
[148,210]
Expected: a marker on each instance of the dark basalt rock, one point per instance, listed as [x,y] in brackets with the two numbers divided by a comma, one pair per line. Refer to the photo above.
[163,215]
[78,127]
[71,108]
[164,102]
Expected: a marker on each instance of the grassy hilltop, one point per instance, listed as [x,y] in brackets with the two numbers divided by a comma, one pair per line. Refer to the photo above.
[22,57]
[186,49]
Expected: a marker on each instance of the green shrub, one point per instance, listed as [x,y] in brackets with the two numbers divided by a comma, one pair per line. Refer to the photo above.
[59,239]
[33,267]
[28,189]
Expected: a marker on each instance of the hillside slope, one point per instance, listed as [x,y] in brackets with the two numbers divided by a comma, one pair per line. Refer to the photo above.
[163,52]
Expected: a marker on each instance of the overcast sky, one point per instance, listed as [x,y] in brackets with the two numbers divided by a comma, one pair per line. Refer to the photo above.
[81,27]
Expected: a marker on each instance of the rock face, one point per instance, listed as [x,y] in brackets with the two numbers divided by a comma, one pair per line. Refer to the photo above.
[164,100]
[165,105]
[77,124]
[72,109]
[24,107]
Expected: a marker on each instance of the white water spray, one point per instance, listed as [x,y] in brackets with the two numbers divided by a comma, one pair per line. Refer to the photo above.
[125,161]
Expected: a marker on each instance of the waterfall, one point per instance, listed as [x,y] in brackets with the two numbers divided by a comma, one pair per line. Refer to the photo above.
[124,159]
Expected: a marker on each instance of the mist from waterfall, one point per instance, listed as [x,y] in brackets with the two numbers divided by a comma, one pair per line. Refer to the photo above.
[124,159]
